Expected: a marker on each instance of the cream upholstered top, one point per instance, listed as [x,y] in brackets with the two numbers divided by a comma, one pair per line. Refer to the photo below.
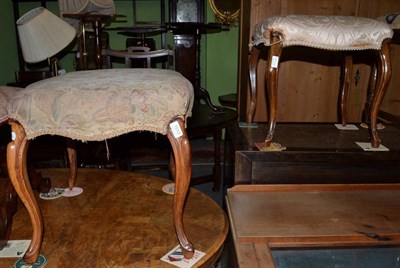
[5,94]
[325,32]
[100,104]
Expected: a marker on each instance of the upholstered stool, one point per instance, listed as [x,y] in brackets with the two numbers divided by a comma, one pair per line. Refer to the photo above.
[337,33]
[98,105]
[8,198]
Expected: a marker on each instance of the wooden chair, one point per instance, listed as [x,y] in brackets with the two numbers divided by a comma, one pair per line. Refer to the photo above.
[24,78]
[337,33]
[137,53]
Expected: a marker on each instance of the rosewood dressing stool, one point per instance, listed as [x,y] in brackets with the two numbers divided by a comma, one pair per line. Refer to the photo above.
[98,105]
[337,33]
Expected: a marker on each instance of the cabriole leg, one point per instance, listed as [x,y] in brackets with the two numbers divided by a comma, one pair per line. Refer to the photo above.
[16,163]
[253,62]
[384,75]
[347,71]
[183,170]
[72,162]
[271,76]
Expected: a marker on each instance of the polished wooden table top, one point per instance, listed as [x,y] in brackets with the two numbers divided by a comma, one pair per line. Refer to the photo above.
[122,219]
[263,217]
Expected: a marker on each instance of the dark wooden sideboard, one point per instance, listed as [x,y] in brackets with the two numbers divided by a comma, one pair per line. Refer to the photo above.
[316,153]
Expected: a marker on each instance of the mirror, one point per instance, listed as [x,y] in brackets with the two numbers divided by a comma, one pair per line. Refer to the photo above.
[226,11]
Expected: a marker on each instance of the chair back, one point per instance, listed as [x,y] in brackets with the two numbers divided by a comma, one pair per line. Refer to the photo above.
[137,53]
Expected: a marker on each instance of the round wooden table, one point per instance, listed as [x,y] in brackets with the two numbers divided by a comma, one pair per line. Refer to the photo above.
[122,219]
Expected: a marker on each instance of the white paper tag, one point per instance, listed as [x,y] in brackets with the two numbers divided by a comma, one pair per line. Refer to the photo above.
[274,61]
[15,248]
[71,193]
[176,129]
[347,127]
[54,193]
[169,188]
[245,125]
[62,71]
[175,257]
[39,263]
[366,146]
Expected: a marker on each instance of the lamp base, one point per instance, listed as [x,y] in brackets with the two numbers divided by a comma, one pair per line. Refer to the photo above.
[54,66]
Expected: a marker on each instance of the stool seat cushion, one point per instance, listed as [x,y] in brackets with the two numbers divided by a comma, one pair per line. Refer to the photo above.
[5,94]
[324,32]
[99,104]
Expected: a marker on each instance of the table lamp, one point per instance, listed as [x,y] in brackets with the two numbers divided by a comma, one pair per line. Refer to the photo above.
[42,35]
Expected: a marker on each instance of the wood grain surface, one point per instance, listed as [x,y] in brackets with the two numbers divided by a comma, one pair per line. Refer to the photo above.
[264,217]
[306,215]
[122,219]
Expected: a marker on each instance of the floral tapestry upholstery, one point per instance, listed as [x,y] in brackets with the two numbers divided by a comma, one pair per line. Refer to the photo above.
[324,32]
[5,94]
[99,104]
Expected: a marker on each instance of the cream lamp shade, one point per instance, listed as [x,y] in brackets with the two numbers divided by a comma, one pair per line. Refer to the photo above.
[42,34]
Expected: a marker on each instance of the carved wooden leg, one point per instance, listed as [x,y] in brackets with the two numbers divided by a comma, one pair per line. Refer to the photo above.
[384,74]
[370,94]
[16,162]
[171,167]
[72,162]
[8,207]
[183,165]
[347,71]
[272,87]
[253,62]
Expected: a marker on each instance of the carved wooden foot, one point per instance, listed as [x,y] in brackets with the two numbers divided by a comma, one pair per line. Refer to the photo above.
[183,170]
[16,163]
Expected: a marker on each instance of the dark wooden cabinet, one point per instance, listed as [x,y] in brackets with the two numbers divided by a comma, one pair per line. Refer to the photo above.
[186,46]
[316,153]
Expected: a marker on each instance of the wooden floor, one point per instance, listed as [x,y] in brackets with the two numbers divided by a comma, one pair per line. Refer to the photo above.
[122,219]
